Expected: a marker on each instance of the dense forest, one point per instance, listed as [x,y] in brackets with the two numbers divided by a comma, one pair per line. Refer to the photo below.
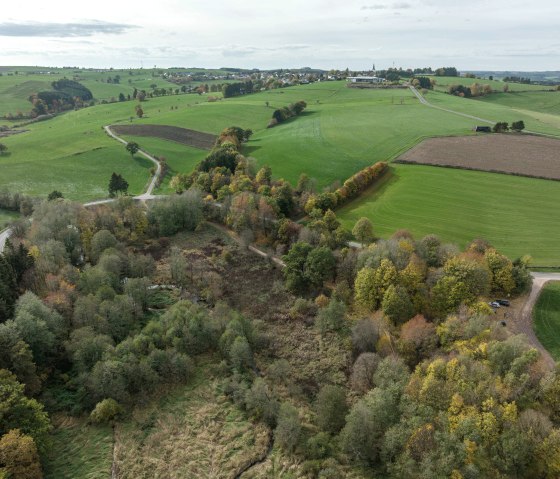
[414,378]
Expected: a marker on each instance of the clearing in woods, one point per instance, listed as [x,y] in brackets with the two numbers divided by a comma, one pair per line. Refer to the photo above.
[525,155]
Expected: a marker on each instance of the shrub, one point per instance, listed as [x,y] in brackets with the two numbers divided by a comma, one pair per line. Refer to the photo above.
[105,411]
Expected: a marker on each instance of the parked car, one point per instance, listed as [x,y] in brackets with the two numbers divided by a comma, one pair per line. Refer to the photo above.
[502,302]
[494,304]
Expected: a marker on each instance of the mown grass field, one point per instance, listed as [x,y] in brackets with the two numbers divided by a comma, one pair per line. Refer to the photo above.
[180,158]
[7,217]
[79,450]
[538,121]
[546,315]
[442,83]
[16,89]
[543,102]
[342,131]
[517,215]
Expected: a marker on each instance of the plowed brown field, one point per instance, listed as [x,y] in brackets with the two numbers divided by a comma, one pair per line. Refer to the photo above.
[196,139]
[525,155]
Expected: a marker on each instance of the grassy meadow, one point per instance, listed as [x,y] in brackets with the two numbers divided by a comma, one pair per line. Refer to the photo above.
[7,217]
[180,158]
[517,215]
[192,431]
[546,317]
[341,131]
[79,449]
[442,83]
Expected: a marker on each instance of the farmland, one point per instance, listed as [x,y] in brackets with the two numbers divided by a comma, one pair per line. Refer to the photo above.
[534,120]
[525,155]
[442,83]
[547,318]
[18,83]
[341,131]
[517,215]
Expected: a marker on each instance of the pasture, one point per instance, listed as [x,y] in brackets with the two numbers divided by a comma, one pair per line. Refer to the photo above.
[517,215]
[543,102]
[442,83]
[534,120]
[546,318]
[180,158]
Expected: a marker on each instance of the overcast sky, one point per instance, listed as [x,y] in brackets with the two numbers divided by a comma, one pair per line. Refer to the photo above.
[472,34]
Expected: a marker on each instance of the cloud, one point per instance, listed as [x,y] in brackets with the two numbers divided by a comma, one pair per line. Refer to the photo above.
[61,30]
[392,6]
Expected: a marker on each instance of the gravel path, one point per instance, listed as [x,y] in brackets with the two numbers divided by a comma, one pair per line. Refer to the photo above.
[522,322]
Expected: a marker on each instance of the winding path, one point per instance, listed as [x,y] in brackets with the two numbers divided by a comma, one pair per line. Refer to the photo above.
[148,195]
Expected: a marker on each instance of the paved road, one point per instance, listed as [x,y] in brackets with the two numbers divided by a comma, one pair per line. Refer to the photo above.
[152,184]
[523,323]
[4,235]
[423,100]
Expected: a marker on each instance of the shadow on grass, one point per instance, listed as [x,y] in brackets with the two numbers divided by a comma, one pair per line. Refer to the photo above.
[143,162]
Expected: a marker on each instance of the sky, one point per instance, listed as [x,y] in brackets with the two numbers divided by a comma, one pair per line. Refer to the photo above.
[471,35]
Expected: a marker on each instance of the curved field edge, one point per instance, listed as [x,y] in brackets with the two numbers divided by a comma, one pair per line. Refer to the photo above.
[515,214]
[546,318]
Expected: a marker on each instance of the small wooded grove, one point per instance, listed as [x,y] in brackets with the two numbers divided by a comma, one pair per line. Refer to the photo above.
[406,372]
[287,112]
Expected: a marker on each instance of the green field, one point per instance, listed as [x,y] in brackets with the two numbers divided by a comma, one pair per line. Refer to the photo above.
[7,217]
[547,103]
[341,131]
[517,215]
[180,158]
[494,111]
[546,315]
[443,82]
[79,449]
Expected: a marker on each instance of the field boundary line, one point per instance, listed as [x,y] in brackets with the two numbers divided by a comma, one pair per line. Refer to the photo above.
[425,102]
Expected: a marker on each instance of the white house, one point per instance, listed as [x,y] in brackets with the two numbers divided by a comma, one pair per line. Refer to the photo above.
[365,79]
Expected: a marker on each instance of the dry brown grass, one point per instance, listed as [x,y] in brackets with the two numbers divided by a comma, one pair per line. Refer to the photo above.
[192,433]
[525,155]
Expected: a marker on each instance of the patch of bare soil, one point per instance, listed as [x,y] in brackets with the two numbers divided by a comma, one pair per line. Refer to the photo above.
[514,154]
[196,139]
